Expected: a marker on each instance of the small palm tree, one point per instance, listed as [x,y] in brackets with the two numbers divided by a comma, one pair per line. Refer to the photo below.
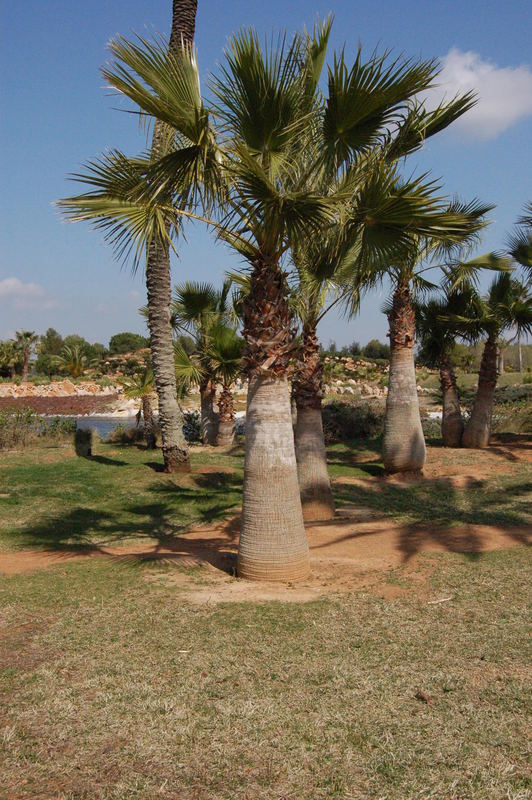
[72,360]
[519,246]
[25,342]
[436,330]
[507,305]
[10,357]
[197,310]
[141,385]
[225,353]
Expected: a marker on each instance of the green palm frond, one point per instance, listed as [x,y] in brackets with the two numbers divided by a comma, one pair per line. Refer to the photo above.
[188,367]
[140,384]
[459,274]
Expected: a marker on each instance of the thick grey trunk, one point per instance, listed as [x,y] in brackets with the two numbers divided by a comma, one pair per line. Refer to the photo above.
[478,429]
[403,447]
[226,433]
[311,456]
[452,425]
[273,544]
[209,417]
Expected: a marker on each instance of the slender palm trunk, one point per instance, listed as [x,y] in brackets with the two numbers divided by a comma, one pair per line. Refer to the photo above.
[26,366]
[520,351]
[175,450]
[478,429]
[403,447]
[311,456]
[209,418]
[452,425]
[149,428]
[273,545]
[226,414]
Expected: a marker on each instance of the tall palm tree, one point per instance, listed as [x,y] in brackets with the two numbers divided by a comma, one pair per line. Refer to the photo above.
[197,310]
[247,154]
[25,342]
[141,385]
[403,447]
[174,447]
[503,308]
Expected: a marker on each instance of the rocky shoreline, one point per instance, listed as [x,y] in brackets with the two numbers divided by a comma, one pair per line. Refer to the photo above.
[59,398]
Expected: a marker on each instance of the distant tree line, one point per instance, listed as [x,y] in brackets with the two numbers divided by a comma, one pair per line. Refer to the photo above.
[373,349]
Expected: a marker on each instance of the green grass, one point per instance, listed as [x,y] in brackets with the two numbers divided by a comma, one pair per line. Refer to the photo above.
[114,687]
[49,497]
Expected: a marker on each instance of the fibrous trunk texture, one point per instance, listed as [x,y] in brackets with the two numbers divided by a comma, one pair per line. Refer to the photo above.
[403,448]
[209,417]
[311,456]
[273,545]
[452,425]
[149,428]
[26,366]
[226,418]
[174,447]
[478,429]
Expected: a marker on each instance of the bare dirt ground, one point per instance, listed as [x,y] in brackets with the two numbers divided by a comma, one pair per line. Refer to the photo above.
[356,550]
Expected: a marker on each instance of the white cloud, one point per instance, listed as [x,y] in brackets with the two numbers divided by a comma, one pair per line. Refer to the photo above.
[504,93]
[25,295]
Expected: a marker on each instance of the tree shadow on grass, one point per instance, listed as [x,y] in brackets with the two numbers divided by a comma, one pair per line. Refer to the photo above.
[159,526]
[109,462]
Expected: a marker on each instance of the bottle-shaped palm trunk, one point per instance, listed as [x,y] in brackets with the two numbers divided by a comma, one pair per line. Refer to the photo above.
[403,447]
[149,427]
[311,456]
[273,544]
[477,431]
[452,425]
[226,418]
[209,417]
[174,446]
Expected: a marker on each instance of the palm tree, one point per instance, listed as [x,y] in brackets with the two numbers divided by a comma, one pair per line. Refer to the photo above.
[519,247]
[9,357]
[142,385]
[226,350]
[403,447]
[504,307]
[72,359]
[437,331]
[198,309]
[252,164]
[25,341]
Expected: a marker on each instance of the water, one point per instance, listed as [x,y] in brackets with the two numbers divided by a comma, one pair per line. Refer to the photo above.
[102,425]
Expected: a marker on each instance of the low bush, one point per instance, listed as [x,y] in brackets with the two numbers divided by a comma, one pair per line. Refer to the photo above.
[343,421]
[21,427]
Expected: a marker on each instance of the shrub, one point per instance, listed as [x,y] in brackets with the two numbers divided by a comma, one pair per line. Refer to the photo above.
[343,421]
[17,428]
[192,426]
[126,435]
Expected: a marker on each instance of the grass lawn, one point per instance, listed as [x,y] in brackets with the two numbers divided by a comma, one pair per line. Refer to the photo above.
[114,685]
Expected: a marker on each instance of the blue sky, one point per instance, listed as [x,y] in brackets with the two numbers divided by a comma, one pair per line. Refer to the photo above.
[57,114]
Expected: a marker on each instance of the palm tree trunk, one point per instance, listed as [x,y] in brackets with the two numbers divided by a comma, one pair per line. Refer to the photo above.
[403,447]
[478,429]
[26,365]
[520,351]
[226,416]
[273,545]
[149,429]
[452,425]
[175,450]
[311,456]
[209,418]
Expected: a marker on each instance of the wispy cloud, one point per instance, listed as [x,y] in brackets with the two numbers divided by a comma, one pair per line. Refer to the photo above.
[25,295]
[504,93]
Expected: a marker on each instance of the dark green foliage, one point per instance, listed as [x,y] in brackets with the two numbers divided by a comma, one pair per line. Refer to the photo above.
[127,342]
[376,349]
[343,421]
